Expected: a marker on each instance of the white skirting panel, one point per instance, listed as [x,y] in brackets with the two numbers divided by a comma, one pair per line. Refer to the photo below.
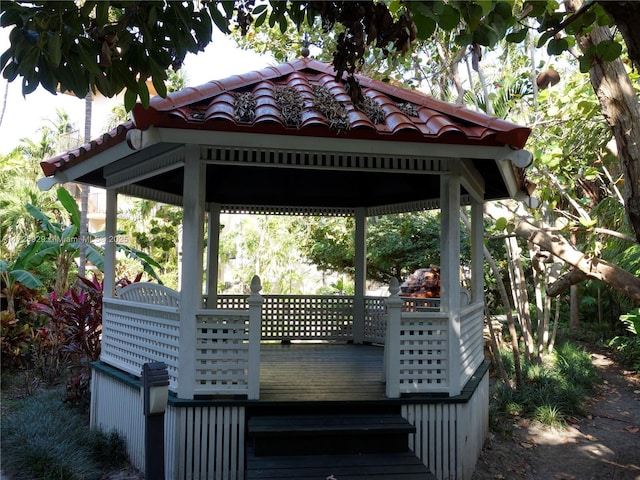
[201,442]
[212,441]
[117,406]
[449,436]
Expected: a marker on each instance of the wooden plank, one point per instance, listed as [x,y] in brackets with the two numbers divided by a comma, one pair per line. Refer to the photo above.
[328,425]
[396,466]
[321,372]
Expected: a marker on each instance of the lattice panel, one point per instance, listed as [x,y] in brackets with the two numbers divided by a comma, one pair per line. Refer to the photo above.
[423,353]
[416,304]
[232,302]
[287,317]
[375,319]
[222,353]
[134,334]
[471,340]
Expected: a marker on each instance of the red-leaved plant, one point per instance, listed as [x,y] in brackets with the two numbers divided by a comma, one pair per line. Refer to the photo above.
[74,326]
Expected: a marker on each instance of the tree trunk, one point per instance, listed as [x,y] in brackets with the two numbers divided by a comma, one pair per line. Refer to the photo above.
[520,295]
[84,198]
[594,268]
[554,243]
[572,277]
[505,302]
[619,104]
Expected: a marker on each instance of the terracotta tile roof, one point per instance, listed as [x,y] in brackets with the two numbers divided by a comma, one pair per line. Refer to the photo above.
[407,115]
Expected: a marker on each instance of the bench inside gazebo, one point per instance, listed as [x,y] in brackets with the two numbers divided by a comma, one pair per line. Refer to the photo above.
[245,369]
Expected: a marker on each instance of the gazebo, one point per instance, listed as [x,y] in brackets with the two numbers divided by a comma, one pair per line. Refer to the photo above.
[288,139]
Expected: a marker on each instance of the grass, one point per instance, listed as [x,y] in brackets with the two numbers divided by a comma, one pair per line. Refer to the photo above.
[44,439]
[551,391]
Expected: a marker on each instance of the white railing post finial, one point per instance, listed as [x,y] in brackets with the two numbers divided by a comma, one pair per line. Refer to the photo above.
[394,287]
[392,340]
[255,301]
[255,285]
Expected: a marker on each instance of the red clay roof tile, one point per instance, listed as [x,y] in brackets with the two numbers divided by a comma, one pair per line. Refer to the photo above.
[211,107]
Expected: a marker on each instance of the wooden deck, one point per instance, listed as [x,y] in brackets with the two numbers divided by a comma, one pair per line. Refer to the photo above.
[324,372]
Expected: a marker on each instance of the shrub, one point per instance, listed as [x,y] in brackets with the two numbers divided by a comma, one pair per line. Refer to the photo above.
[628,346]
[552,390]
[72,332]
[43,439]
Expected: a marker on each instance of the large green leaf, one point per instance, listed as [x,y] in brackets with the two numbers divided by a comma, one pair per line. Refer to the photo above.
[95,256]
[45,222]
[70,205]
[25,255]
[27,279]
[608,50]
[148,263]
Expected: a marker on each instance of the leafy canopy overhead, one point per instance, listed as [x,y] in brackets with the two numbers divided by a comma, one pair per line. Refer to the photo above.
[108,47]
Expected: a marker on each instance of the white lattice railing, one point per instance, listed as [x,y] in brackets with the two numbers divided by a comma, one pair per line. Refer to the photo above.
[375,319]
[423,351]
[471,340]
[222,352]
[136,333]
[297,317]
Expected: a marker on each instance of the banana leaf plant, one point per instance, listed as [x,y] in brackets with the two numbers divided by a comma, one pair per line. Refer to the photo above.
[61,243]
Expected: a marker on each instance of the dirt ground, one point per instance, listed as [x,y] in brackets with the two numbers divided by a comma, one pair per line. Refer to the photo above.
[602,444]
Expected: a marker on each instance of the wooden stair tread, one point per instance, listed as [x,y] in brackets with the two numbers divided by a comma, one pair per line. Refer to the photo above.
[273,425]
[390,466]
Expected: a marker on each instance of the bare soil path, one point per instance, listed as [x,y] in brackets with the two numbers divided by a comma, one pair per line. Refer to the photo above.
[604,443]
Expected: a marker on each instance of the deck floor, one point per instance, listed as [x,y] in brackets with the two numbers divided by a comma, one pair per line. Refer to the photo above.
[321,372]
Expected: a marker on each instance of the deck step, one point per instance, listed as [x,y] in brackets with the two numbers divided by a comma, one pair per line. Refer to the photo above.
[329,434]
[390,466]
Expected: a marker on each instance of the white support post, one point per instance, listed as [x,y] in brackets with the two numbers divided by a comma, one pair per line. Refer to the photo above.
[192,268]
[450,273]
[360,277]
[213,247]
[255,335]
[477,252]
[392,340]
[110,231]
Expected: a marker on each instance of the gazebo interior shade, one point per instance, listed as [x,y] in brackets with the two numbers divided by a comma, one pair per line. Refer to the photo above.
[262,159]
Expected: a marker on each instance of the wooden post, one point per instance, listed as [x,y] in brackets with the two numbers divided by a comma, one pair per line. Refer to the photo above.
[360,277]
[255,335]
[477,252]
[450,273]
[192,268]
[392,340]
[213,247]
[110,230]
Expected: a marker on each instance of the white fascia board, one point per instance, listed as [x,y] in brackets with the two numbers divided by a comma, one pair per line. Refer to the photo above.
[329,145]
[96,162]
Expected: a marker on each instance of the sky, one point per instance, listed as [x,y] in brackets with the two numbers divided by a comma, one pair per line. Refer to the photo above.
[23,116]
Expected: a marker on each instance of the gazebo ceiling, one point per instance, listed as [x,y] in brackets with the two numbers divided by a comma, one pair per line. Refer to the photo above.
[290,135]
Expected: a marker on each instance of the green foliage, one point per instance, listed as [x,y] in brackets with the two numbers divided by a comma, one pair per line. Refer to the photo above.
[43,439]
[105,47]
[628,346]
[110,47]
[552,390]
[14,338]
[397,245]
